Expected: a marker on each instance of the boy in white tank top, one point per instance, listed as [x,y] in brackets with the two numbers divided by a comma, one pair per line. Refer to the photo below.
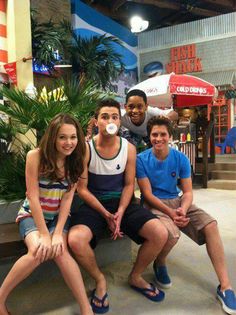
[106,189]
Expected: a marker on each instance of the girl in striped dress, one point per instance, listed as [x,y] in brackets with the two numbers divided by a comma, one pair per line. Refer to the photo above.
[52,171]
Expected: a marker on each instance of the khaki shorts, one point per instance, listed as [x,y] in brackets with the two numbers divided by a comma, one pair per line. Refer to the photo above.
[198,220]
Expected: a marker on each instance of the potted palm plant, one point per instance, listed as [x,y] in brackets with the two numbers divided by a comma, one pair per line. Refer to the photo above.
[31,115]
[95,62]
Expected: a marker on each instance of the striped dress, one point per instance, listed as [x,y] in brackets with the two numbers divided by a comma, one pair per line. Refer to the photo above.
[50,195]
[3,40]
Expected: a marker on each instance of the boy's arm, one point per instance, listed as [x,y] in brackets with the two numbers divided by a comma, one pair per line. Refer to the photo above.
[169,113]
[177,215]
[187,198]
[172,115]
[86,195]
[153,201]
[128,190]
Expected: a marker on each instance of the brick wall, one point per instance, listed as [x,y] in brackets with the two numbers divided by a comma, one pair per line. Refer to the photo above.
[57,10]
[53,9]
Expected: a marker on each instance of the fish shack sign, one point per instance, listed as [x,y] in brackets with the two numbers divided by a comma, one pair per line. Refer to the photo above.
[183,59]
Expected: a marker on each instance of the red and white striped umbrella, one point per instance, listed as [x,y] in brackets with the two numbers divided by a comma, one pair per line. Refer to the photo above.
[177,89]
[3,40]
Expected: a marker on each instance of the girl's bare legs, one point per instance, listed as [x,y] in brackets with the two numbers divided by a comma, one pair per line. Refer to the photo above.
[72,276]
[23,267]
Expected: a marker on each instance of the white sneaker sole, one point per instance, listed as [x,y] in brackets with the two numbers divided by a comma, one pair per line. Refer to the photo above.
[225,308]
[162,285]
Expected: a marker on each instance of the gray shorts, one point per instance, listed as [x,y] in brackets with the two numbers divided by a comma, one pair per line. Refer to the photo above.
[198,220]
[27,225]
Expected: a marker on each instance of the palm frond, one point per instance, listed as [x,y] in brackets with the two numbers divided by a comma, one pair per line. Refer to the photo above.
[12,176]
[76,97]
[46,39]
[96,58]
[7,131]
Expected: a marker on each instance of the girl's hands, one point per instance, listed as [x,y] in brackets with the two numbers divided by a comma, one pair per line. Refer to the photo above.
[44,248]
[57,245]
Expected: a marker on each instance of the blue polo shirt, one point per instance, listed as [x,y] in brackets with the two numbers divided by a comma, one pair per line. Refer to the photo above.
[163,175]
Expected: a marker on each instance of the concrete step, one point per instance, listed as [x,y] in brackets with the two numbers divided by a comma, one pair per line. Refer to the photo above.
[216,166]
[226,158]
[222,184]
[218,174]
[224,166]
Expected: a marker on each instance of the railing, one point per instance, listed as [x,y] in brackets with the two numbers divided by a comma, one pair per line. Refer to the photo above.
[189,149]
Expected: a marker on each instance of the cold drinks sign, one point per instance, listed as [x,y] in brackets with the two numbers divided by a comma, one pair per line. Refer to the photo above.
[183,59]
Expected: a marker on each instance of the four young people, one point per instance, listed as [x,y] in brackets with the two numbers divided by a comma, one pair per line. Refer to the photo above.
[103,173]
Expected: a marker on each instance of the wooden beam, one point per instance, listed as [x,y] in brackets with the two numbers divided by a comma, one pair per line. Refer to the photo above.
[179,7]
[89,2]
[160,3]
[224,3]
[108,12]
[117,4]
[201,12]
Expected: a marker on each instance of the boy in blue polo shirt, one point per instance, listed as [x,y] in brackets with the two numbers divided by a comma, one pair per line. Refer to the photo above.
[158,170]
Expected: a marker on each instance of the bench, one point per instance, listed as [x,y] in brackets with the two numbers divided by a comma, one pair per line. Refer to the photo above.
[108,251]
[10,242]
[11,245]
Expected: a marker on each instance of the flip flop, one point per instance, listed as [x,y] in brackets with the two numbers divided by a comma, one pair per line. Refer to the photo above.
[145,291]
[99,309]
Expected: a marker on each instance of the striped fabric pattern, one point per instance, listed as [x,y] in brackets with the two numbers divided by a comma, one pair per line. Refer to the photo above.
[50,195]
[106,176]
[3,40]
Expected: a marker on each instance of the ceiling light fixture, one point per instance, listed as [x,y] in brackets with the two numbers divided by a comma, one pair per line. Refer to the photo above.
[138,24]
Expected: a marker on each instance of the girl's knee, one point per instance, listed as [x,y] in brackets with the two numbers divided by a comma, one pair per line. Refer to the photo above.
[61,258]
[33,259]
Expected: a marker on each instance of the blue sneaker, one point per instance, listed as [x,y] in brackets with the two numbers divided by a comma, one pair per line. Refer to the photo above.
[161,276]
[227,299]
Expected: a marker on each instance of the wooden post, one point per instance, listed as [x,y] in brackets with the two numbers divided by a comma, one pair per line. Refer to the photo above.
[204,161]
[212,139]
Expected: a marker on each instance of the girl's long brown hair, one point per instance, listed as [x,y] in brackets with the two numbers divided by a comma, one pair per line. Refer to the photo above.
[48,152]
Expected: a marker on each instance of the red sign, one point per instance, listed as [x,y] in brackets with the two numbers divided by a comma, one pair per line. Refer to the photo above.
[11,71]
[183,59]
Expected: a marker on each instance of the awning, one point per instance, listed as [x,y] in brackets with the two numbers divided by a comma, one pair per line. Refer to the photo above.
[218,78]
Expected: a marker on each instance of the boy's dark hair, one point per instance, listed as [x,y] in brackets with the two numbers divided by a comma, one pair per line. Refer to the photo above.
[136,92]
[108,102]
[159,121]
